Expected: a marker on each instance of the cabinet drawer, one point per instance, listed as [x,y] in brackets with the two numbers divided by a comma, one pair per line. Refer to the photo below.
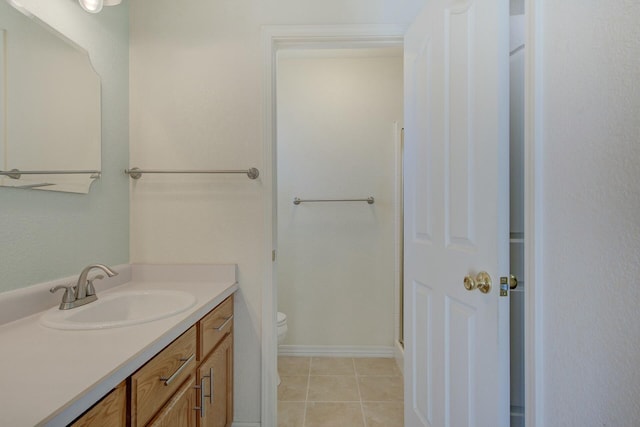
[161,377]
[213,327]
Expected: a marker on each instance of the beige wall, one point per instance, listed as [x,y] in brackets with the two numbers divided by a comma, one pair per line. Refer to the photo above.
[196,75]
[337,138]
[591,205]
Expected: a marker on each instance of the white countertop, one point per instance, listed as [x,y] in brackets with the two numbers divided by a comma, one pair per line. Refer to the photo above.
[49,377]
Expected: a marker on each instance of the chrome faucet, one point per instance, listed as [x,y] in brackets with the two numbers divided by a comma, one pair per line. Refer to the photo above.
[85,285]
[83,292]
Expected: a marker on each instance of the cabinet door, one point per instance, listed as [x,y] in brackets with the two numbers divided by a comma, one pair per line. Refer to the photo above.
[180,410]
[216,381]
[111,411]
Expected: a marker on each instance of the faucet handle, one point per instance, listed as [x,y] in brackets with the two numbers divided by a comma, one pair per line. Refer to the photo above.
[69,293]
[91,290]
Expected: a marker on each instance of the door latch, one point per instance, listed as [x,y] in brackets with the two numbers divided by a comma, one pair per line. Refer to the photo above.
[507,283]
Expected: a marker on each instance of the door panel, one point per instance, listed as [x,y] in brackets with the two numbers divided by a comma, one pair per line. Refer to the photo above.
[424,385]
[458,136]
[456,157]
[423,194]
[460,348]
[422,369]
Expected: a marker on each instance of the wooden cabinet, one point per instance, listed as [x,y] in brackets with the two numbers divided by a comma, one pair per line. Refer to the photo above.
[190,382]
[215,371]
[179,411]
[111,411]
[216,379]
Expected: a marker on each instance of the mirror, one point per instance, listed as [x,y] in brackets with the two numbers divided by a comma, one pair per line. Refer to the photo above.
[50,114]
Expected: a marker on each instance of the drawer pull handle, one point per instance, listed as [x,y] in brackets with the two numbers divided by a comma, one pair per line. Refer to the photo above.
[226,320]
[169,380]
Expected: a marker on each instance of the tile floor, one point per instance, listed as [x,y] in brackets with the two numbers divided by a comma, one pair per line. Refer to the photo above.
[339,392]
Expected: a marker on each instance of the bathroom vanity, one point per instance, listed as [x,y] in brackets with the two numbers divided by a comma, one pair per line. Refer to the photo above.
[173,371]
[189,383]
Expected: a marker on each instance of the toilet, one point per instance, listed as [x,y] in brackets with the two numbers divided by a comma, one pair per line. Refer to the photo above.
[282,331]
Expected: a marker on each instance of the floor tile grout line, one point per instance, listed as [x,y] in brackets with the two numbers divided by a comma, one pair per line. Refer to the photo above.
[306,399]
[355,370]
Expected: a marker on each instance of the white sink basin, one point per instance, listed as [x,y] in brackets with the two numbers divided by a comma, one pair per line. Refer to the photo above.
[119,309]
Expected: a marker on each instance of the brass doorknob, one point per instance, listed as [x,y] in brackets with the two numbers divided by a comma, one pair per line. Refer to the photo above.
[482,282]
[469,283]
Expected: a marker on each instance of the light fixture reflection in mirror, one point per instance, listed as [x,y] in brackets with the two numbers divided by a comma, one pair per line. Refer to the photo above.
[91,6]
[95,6]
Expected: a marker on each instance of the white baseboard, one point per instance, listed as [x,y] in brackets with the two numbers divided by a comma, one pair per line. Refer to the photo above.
[335,351]
[236,424]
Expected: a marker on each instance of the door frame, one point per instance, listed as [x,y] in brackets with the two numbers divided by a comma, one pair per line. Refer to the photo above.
[275,38]
[533,215]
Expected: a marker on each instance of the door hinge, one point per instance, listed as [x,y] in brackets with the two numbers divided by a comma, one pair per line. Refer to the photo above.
[507,283]
[273,255]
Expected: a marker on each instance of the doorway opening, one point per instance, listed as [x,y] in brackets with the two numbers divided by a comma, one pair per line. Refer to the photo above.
[367,43]
[339,114]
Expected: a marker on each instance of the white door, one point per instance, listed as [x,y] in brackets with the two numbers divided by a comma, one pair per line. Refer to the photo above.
[456,223]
